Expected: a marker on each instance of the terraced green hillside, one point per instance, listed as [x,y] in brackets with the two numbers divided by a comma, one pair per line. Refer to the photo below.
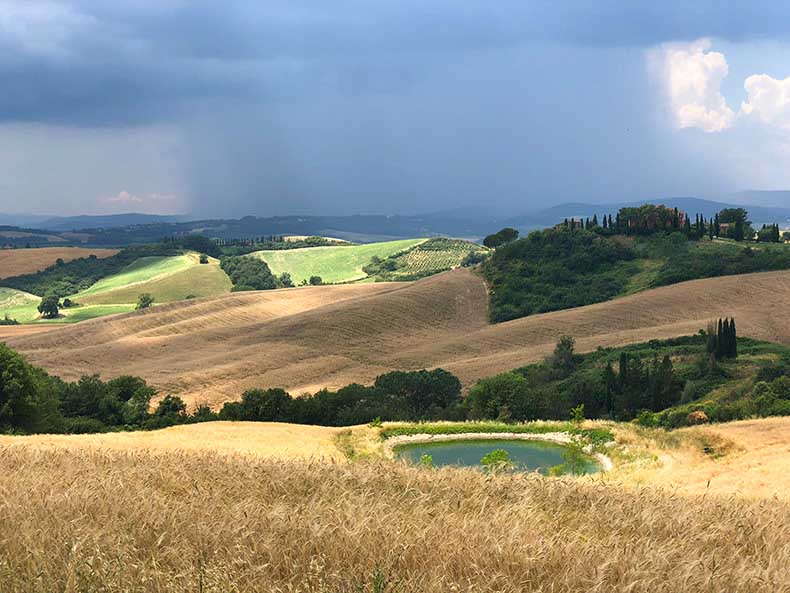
[427,258]
[332,264]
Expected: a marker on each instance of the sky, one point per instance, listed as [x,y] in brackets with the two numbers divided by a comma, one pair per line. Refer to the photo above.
[286,107]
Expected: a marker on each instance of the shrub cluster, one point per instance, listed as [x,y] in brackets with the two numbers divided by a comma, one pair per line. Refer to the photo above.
[251,273]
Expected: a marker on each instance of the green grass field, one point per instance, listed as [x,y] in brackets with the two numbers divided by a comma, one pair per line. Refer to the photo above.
[333,264]
[141,271]
[167,279]
[18,305]
[24,308]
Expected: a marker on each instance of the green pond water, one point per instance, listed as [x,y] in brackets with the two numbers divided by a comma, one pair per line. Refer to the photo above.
[526,455]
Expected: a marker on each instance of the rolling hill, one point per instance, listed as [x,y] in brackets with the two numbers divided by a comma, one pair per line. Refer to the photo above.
[18,305]
[167,279]
[307,338]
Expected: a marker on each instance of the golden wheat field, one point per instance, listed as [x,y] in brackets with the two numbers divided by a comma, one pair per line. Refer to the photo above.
[328,336]
[750,459]
[247,507]
[92,520]
[256,439]
[15,262]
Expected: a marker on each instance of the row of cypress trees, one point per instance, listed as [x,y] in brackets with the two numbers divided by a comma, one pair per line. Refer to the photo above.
[723,339]
[615,225]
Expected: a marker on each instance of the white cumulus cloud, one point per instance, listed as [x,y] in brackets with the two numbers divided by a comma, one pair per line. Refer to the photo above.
[693,75]
[768,99]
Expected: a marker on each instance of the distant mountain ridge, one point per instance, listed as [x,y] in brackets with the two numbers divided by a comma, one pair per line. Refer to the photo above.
[463,222]
[101,221]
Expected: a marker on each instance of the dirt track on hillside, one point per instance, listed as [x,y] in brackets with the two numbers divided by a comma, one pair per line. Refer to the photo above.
[304,339]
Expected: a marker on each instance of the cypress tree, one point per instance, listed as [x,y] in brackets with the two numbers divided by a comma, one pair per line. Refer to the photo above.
[716,226]
[595,220]
[710,230]
[720,340]
[605,222]
[727,342]
[687,227]
[733,339]
[739,231]
[611,386]
[623,371]
[711,336]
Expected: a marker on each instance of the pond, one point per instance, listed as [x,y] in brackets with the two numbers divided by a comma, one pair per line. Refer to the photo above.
[526,455]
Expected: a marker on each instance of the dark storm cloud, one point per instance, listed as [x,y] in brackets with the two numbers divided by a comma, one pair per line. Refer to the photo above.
[285,106]
[131,62]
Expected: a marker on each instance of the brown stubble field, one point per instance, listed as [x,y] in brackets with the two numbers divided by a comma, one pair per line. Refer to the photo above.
[211,350]
[16,262]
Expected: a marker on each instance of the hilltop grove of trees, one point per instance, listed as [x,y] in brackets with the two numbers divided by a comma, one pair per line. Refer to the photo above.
[555,269]
[581,262]
[500,238]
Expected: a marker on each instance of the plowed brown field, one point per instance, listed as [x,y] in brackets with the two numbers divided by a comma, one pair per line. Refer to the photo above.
[15,262]
[303,339]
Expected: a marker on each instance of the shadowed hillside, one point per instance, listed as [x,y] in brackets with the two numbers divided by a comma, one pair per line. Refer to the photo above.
[211,350]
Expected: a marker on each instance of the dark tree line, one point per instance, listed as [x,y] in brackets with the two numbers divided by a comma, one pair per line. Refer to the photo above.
[31,401]
[399,395]
[551,389]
